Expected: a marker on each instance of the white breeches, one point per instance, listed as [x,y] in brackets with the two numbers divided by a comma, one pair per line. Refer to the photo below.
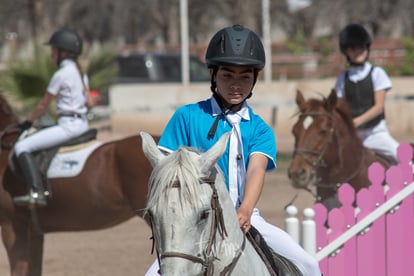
[379,139]
[67,128]
[283,244]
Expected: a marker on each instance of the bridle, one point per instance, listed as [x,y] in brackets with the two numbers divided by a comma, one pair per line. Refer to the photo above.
[217,225]
[320,161]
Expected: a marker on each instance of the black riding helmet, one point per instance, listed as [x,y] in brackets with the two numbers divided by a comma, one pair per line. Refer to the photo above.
[236,45]
[68,40]
[354,35]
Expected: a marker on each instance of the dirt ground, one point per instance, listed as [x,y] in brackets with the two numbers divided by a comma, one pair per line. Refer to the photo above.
[126,249]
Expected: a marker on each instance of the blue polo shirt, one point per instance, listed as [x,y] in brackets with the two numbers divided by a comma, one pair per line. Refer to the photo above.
[190,124]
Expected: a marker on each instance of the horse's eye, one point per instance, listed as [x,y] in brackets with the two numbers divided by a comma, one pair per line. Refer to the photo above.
[322,132]
[204,214]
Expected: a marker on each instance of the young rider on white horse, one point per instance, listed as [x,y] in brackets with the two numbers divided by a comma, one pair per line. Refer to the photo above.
[235,55]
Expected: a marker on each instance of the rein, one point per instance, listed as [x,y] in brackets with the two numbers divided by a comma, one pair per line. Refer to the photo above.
[217,225]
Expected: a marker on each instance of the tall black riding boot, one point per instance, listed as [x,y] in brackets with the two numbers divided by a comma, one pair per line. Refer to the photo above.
[31,176]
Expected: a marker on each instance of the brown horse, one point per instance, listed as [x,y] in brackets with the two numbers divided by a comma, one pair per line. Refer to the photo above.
[328,150]
[111,189]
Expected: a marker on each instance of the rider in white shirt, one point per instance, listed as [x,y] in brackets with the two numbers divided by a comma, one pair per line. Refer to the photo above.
[70,87]
[364,87]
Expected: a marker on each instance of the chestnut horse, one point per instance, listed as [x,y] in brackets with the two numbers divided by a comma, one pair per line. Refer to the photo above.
[328,150]
[111,189]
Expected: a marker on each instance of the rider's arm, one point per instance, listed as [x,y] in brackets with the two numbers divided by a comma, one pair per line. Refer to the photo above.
[41,107]
[374,111]
[254,184]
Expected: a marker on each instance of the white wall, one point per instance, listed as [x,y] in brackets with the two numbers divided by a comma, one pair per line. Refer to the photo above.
[159,99]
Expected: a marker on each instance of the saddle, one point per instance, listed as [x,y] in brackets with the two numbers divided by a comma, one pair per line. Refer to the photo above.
[385,159]
[275,263]
[44,157]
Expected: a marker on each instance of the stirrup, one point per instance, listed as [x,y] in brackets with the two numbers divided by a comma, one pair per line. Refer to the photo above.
[33,198]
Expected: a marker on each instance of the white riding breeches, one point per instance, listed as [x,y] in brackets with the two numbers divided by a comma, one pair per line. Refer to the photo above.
[283,244]
[280,241]
[379,139]
[66,129]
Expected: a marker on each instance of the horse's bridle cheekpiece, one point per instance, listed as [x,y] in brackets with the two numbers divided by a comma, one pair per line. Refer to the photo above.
[217,225]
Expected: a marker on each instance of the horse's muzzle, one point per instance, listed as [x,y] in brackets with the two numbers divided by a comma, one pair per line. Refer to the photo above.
[301,174]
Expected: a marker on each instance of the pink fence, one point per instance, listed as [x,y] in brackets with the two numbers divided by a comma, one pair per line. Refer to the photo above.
[377,236]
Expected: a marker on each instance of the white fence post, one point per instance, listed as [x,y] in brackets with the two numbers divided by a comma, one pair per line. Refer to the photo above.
[309,231]
[292,222]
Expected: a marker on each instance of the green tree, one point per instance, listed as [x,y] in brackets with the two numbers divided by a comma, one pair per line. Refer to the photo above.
[406,69]
[27,79]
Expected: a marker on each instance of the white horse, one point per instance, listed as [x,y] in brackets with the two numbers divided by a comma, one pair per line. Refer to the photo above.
[194,223]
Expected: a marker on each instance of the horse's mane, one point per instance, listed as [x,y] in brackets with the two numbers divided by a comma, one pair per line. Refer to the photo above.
[6,108]
[343,109]
[178,167]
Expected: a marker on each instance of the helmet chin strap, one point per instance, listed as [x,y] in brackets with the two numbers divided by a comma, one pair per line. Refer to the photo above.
[224,111]
[224,106]
[59,57]
[357,63]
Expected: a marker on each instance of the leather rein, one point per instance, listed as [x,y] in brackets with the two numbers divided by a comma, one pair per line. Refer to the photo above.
[217,226]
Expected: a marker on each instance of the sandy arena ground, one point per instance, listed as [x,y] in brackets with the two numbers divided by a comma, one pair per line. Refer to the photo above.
[126,249]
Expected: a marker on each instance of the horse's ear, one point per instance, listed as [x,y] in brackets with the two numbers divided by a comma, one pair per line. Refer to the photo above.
[300,100]
[330,102]
[150,149]
[209,158]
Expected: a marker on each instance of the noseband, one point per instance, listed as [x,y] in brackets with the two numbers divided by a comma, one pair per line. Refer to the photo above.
[217,225]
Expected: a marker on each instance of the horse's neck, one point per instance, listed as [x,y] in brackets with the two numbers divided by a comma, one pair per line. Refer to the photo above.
[233,246]
[351,157]
[350,167]
[232,243]
[229,213]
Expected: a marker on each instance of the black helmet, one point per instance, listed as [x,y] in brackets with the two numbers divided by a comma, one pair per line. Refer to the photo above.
[354,35]
[66,39]
[236,45]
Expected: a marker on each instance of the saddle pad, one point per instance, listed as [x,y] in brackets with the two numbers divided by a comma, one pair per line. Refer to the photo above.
[70,163]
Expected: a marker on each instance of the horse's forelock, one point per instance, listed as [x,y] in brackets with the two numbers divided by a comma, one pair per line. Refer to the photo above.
[178,167]
[314,105]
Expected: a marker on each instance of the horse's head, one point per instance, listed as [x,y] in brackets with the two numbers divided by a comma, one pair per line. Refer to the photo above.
[320,126]
[186,204]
